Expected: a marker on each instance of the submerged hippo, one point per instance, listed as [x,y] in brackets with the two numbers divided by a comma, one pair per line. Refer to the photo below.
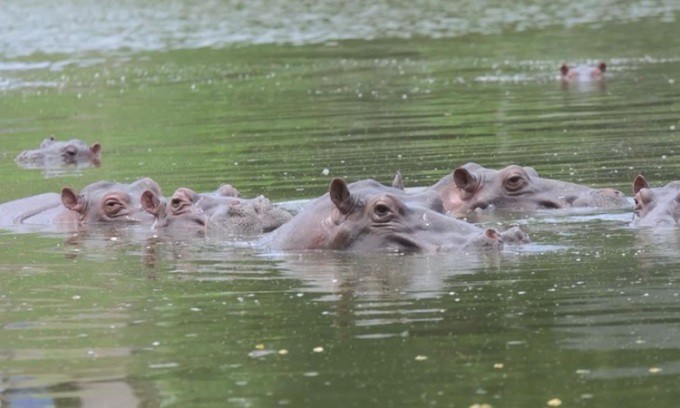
[54,154]
[100,202]
[582,73]
[218,213]
[656,206]
[365,217]
[471,187]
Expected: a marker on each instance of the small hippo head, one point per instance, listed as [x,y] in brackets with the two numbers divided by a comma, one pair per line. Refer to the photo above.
[108,202]
[247,217]
[656,206]
[214,213]
[583,72]
[53,154]
[179,212]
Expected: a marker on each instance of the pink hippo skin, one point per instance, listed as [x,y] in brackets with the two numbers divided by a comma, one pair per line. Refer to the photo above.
[220,213]
[472,187]
[582,73]
[56,154]
[100,202]
[658,206]
[366,217]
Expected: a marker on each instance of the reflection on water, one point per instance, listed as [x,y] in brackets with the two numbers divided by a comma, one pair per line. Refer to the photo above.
[96,25]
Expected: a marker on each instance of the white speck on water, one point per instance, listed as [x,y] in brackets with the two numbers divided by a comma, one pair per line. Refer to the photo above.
[163,365]
[671,81]
[156,343]
[195,309]
[318,349]
[325,171]
[664,157]
[672,127]
[114,239]
[75,297]
[311,374]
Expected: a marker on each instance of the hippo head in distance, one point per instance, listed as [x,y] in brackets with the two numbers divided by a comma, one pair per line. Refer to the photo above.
[514,188]
[656,206]
[107,202]
[584,73]
[368,219]
[220,212]
[53,154]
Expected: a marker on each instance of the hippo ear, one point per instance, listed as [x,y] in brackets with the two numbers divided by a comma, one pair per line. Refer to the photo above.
[73,201]
[492,234]
[639,183]
[151,203]
[464,179]
[227,190]
[147,183]
[602,66]
[398,182]
[96,149]
[341,196]
[564,69]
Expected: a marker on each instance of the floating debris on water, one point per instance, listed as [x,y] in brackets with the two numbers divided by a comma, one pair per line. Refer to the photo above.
[555,402]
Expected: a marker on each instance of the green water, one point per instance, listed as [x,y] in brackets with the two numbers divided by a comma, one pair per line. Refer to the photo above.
[588,314]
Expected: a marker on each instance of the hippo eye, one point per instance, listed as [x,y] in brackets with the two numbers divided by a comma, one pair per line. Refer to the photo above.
[112,206]
[382,210]
[514,183]
[70,151]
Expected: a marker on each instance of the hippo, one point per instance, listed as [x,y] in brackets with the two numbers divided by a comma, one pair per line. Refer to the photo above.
[364,217]
[220,213]
[656,206]
[473,187]
[582,73]
[55,154]
[100,202]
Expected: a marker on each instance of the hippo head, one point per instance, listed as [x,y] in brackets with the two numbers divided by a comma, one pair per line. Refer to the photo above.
[247,217]
[214,213]
[382,221]
[108,202]
[179,212]
[472,187]
[656,206]
[73,152]
[583,72]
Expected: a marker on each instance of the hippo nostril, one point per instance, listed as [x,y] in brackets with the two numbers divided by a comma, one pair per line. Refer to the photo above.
[549,204]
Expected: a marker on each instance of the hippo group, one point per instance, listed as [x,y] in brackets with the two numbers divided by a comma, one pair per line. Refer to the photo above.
[361,216]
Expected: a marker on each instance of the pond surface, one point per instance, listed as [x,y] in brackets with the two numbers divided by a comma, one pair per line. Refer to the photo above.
[279,98]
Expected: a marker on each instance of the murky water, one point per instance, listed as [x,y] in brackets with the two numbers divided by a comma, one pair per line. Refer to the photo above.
[268,95]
